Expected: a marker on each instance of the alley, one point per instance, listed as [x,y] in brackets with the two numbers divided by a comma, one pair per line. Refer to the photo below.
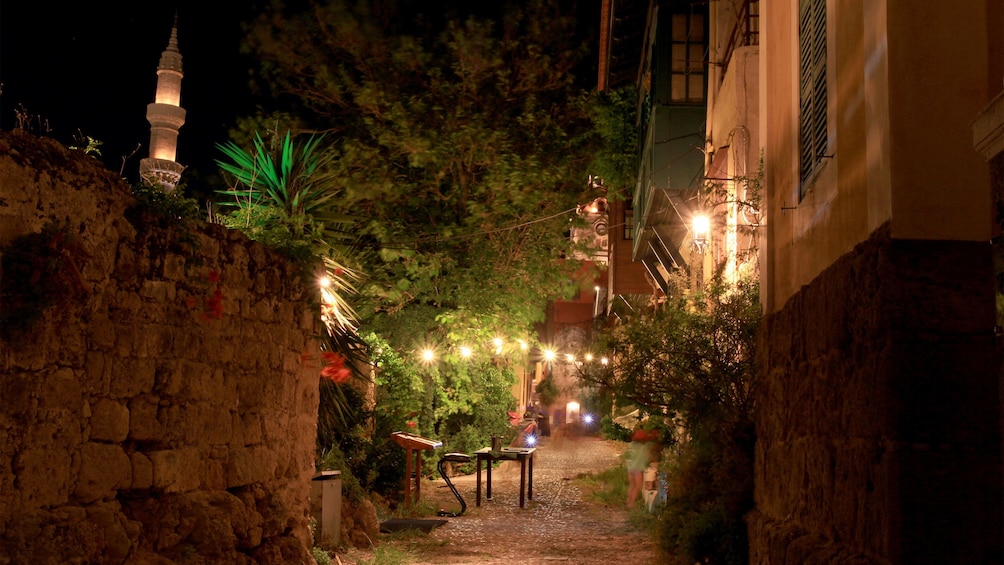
[559,525]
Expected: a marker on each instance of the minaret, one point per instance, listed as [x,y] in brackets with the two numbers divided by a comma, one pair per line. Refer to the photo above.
[166,116]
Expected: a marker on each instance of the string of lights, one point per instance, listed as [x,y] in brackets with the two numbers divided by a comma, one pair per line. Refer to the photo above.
[544,353]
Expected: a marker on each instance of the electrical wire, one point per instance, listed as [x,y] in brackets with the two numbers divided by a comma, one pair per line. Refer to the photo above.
[436,239]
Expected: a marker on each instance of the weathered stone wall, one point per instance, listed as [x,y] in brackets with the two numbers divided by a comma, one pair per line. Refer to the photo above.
[135,425]
[878,437]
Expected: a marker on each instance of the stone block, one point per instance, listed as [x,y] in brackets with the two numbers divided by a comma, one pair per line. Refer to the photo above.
[104,469]
[109,421]
[174,267]
[249,465]
[110,521]
[155,340]
[158,291]
[252,424]
[187,345]
[123,346]
[42,477]
[97,374]
[215,422]
[202,382]
[142,471]
[176,470]
[61,391]
[132,376]
[215,473]
[17,390]
[123,332]
[144,424]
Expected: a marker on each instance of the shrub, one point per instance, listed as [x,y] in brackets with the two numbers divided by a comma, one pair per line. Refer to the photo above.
[37,271]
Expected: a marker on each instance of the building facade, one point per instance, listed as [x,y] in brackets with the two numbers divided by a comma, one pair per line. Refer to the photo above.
[878,420]
[849,145]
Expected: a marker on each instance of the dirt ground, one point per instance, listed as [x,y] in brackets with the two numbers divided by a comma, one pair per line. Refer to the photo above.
[560,524]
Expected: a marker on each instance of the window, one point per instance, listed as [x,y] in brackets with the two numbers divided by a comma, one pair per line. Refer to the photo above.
[813,142]
[687,57]
[628,221]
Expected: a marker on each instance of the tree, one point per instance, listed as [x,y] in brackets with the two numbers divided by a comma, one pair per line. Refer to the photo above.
[453,147]
[615,162]
[692,360]
[461,143]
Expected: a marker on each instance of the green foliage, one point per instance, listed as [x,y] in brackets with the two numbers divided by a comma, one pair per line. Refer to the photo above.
[86,145]
[400,388]
[608,487]
[692,360]
[456,146]
[547,390]
[389,555]
[612,430]
[347,443]
[693,356]
[616,161]
[320,556]
[168,203]
[710,490]
[333,459]
[460,404]
[459,142]
[38,271]
[282,194]
[483,410]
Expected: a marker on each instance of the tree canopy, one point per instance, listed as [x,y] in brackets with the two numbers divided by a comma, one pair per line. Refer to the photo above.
[461,143]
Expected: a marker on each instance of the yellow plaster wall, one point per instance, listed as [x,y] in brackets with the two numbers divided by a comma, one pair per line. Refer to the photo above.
[905,80]
[940,184]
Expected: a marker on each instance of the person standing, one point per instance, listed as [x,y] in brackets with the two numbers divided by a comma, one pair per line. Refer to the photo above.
[638,456]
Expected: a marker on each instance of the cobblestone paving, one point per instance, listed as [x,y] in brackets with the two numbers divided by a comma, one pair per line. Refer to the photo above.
[556,526]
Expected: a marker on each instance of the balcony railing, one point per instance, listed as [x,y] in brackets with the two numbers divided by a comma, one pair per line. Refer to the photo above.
[745,32]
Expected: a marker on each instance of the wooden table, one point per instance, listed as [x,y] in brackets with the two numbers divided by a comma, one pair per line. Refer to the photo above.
[522,454]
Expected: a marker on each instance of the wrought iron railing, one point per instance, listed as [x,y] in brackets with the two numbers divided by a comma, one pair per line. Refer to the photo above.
[746,30]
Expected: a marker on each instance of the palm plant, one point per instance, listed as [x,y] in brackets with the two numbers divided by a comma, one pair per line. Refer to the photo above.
[292,190]
[285,196]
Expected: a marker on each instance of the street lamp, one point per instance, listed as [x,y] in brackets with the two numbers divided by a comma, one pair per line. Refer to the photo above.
[701,229]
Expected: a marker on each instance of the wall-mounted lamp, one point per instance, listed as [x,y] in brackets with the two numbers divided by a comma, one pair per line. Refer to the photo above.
[701,229]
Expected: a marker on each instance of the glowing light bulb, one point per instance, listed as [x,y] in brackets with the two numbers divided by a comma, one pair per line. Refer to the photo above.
[428,355]
[465,351]
[702,225]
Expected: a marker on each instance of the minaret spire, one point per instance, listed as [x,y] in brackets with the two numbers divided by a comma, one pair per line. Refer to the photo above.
[166,116]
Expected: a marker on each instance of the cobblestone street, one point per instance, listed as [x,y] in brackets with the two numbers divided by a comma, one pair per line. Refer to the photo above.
[558,525]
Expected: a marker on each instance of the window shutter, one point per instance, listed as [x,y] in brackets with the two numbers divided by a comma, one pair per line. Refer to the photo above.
[812,87]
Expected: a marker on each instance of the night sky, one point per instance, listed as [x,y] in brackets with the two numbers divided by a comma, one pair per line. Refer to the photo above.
[92,67]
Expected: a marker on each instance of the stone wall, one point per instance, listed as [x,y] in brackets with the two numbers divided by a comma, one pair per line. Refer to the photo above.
[140,422]
[878,436]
